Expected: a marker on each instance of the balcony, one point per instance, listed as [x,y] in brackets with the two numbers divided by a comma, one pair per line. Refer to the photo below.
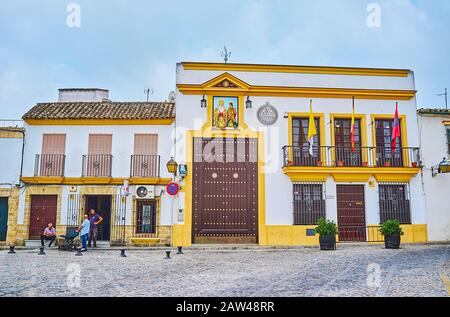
[347,165]
[49,165]
[333,156]
[97,165]
[145,166]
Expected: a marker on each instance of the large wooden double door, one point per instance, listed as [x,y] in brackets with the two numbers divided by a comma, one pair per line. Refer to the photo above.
[225,190]
[42,212]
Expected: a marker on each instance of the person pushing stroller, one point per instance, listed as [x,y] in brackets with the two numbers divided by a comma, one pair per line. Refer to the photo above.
[84,232]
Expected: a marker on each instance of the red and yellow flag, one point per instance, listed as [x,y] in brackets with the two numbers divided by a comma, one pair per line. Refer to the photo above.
[353,126]
[395,129]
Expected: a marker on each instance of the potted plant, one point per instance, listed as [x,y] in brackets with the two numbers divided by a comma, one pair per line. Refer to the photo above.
[392,232]
[319,163]
[414,164]
[365,164]
[340,163]
[387,163]
[327,231]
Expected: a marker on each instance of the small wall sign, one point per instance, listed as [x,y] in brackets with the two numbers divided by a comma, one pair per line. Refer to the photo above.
[172,189]
[267,114]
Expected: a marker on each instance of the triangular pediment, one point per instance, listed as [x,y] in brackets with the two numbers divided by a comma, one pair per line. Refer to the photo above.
[226,81]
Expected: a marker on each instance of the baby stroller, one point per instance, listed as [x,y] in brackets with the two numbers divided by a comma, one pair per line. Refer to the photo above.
[70,244]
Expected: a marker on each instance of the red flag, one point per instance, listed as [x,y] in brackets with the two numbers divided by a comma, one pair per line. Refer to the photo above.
[395,129]
[352,132]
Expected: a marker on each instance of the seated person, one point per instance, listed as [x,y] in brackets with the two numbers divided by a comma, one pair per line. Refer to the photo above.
[48,235]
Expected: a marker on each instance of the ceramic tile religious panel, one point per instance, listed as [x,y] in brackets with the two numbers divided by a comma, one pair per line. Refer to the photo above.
[225,112]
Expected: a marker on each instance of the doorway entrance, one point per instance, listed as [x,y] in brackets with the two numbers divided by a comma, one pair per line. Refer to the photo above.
[3,218]
[102,205]
[225,191]
[351,213]
[42,212]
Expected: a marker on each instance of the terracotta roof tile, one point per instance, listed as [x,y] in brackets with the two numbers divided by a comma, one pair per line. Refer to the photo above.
[106,110]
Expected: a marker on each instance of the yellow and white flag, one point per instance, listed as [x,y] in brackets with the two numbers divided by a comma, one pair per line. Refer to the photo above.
[311,129]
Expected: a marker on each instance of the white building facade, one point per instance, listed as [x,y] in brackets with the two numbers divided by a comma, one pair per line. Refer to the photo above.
[434,127]
[276,193]
[86,152]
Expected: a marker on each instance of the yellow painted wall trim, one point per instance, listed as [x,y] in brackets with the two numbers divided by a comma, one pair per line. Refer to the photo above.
[182,233]
[403,133]
[363,131]
[350,174]
[306,176]
[397,177]
[297,69]
[306,92]
[289,235]
[350,178]
[317,115]
[94,180]
[414,233]
[13,134]
[99,122]
[145,241]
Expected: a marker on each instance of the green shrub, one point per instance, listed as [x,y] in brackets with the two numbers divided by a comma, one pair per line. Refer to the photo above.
[391,227]
[326,227]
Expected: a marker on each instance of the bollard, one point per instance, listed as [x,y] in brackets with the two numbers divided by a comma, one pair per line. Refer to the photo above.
[122,253]
[167,255]
[179,250]
[41,251]
[11,250]
[78,252]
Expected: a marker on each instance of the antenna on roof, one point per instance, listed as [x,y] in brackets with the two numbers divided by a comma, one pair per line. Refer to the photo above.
[148,91]
[446,98]
[225,54]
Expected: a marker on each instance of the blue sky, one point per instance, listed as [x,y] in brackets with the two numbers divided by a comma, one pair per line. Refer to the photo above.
[127,45]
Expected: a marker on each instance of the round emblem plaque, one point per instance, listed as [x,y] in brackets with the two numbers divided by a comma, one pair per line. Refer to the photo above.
[267,114]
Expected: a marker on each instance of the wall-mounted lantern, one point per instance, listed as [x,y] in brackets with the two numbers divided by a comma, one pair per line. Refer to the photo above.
[172,166]
[442,168]
[182,170]
[248,103]
[203,102]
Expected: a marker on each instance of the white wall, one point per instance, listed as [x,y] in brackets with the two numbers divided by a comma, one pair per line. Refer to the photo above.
[278,189]
[437,189]
[77,138]
[10,158]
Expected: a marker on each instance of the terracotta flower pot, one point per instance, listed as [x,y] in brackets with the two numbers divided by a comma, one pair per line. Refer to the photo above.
[319,163]
[340,163]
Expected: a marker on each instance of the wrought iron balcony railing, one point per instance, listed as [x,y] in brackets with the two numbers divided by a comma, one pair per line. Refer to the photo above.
[145,165]
[49,165]
[97,165]
[341,156]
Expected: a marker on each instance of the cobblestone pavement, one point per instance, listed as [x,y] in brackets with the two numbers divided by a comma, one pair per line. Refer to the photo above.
[349,271]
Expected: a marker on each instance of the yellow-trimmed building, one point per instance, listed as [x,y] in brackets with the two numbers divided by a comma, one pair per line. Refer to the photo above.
[249,170]
[86,152]
[254,177]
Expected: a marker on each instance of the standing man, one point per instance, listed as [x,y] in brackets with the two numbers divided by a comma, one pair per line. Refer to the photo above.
[94,219]
[84,232]
[48,235]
